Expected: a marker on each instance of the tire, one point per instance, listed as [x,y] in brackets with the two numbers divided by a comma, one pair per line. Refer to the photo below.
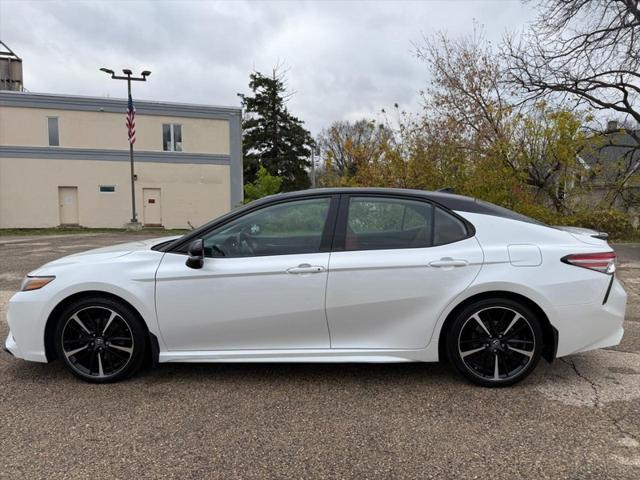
[501,348]
[100,340]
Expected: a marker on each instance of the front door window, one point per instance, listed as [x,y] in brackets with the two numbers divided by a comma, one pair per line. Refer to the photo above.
[283,229]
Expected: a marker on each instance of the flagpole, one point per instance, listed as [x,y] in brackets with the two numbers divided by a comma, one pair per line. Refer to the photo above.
[134,218]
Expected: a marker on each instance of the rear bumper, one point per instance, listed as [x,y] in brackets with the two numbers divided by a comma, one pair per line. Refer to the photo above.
[593,325]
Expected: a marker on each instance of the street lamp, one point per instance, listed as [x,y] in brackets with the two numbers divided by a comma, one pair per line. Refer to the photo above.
[129,78]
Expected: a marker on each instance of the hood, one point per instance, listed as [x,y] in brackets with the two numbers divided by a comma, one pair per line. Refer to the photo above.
[124,248]
[586,235]
[105,253]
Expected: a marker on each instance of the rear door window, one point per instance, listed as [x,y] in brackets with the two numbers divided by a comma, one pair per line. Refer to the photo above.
[388,223]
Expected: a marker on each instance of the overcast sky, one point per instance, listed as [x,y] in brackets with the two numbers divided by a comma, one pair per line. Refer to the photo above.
[346,60]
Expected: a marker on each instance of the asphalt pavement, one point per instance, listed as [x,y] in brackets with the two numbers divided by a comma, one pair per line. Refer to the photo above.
[577,418]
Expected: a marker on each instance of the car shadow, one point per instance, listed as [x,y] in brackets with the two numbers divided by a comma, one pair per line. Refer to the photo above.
[297,372]
[332,375]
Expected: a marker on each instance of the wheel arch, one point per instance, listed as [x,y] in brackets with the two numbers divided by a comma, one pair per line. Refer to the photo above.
[54,317]
[549,332]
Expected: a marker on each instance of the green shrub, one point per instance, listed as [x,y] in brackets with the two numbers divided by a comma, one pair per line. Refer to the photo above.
[613,222]
[264,185]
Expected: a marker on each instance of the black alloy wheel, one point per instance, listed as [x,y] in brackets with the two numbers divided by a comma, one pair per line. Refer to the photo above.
[100,340]
[495,343]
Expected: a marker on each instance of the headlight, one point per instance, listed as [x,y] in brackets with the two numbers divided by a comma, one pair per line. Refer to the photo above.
[34,283]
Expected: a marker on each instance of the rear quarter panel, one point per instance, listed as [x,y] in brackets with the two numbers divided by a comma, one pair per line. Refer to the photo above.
[564,292]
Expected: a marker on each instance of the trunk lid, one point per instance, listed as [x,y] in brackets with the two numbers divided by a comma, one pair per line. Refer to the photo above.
[586,235]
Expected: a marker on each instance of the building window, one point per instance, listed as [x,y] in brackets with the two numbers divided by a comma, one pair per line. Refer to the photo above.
[52,125]
[172,137]
[107,188]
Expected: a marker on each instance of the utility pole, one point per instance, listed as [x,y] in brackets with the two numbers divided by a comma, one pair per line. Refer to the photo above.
[313,167]
[314,151]
[130,116]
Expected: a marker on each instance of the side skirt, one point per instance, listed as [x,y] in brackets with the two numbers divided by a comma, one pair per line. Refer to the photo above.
[302,356]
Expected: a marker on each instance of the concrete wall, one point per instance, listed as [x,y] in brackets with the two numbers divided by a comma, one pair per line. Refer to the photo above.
[29,192]
[82,129]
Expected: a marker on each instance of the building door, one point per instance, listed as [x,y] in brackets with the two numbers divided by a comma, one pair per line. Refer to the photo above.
[151,208]
[68,205]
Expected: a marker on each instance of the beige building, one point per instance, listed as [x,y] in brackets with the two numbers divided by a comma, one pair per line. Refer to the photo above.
[64,160]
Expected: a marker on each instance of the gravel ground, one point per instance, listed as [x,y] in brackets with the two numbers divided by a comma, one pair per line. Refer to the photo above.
[578,418]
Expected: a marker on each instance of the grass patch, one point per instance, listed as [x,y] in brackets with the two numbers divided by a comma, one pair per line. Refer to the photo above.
[6,232]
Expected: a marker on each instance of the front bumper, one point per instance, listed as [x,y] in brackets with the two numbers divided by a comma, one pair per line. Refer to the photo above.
[27,318]
[10,345]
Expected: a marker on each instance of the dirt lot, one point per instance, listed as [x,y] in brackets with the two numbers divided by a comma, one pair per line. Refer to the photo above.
[577,418]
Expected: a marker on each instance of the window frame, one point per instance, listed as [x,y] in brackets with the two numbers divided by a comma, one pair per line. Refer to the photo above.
[172,138]
[333,239]
[326,241]
[340,234]
[57,119]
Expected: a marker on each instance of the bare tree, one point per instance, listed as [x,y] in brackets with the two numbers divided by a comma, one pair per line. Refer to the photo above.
[588,51]
[585,49]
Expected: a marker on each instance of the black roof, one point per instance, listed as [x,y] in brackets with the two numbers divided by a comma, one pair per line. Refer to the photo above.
[450,201]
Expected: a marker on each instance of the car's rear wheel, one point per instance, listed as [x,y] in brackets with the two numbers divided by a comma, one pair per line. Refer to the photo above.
[100,340]
[495,342]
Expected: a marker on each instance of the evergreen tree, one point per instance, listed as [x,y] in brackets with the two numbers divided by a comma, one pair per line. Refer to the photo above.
[273,138]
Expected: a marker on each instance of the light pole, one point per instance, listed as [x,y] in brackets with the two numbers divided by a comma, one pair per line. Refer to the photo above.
[129,78]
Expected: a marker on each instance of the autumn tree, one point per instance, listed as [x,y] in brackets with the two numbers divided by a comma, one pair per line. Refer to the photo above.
[419,154]
[272,137]
[467,86]
[472,135]
[345,145]
[509,149]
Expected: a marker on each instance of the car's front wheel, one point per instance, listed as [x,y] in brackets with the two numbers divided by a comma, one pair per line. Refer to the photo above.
[100,340]
[495,342]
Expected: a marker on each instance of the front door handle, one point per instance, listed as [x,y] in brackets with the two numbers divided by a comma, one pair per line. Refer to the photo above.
[448,262]
[305,268]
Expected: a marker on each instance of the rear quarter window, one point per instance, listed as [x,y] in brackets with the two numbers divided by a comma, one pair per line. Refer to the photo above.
[447,228]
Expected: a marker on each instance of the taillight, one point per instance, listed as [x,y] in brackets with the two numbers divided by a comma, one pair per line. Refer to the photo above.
[604,262]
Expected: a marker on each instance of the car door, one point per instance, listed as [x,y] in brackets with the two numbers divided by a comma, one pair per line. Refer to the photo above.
[262,285]
[397,263]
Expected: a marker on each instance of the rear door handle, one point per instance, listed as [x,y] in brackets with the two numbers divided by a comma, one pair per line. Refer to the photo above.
[305,268]
[448,262]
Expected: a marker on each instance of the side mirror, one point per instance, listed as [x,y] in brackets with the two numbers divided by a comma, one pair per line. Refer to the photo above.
[196,254]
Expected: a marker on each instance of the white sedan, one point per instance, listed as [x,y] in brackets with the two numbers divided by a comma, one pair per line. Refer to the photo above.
[330,275]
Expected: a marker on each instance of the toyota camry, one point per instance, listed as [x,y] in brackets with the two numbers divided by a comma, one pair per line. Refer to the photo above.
[330,275]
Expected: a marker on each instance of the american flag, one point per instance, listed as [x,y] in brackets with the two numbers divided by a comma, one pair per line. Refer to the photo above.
[131,121]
